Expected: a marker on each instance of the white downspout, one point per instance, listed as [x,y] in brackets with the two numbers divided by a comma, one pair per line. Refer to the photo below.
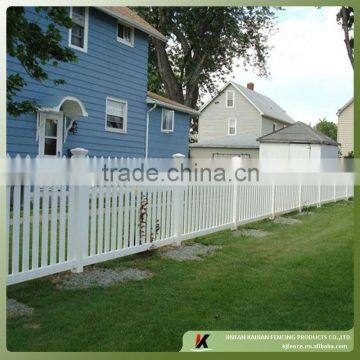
[147,130]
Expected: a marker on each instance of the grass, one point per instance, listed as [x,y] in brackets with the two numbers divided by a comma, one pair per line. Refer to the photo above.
[298,278]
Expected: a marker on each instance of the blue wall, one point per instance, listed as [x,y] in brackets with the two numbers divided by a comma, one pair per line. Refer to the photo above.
[109,68]
[166,144]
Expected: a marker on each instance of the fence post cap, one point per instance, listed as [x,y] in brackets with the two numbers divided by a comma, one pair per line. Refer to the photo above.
[79,152]
[178,155]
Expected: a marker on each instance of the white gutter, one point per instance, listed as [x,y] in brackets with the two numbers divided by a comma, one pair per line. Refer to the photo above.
[147,130]
[150,100]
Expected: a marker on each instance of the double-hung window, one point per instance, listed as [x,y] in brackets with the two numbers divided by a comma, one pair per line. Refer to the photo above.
[167,120]
[125,34]
[78,34]
[232,126]
[116,115]
[230,98]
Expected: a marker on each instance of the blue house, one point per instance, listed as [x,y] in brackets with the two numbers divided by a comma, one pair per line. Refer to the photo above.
[104,105]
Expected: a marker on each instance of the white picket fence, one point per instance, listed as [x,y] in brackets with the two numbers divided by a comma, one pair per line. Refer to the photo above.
[56,228]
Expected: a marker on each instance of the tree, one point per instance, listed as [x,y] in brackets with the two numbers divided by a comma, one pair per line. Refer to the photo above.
[327,128]
[203,43]
[34,47]
[345,17]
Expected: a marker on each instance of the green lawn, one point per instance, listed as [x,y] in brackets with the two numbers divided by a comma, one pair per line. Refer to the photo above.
[299,278]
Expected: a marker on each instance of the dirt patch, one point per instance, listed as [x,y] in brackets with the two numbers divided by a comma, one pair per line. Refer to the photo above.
[16,309]
[286,221]
[251,232]
[98,277]
[194,252]
[303,213]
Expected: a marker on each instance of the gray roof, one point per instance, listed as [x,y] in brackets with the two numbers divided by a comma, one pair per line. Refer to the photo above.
[297,133]
[265,105]
[242,141]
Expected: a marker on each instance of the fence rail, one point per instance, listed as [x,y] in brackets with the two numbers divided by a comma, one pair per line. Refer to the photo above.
[56,228]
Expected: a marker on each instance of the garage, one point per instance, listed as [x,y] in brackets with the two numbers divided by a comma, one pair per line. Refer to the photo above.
[298,141]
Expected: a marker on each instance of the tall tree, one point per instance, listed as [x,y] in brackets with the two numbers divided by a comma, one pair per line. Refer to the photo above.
[203,43]
[345,17]
[327,128]
[34,47]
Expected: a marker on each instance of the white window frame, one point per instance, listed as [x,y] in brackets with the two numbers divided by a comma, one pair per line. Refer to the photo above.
[173,121]
[229,125]
[227,99]
[132,36]
[59,117]
[86,31]
[121,101]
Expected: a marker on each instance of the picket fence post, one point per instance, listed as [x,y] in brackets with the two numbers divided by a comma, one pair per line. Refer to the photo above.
[319,194]
[334,195]
[300,197]
[235,208]
[273,201]
[80,211]
[178,202]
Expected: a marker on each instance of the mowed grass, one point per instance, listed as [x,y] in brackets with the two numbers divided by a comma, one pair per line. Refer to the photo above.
[298,278]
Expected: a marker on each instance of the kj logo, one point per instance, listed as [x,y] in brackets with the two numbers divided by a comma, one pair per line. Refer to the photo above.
[200,342]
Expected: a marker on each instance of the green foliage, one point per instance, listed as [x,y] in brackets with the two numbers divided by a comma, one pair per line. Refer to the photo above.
[203,43]
[327,128]
[34,47]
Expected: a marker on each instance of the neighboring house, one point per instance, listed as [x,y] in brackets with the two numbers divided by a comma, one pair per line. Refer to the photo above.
[104,105]
[345,134]
[297,141]
[241,112]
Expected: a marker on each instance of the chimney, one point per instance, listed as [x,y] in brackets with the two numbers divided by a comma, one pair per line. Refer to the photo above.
[250,86]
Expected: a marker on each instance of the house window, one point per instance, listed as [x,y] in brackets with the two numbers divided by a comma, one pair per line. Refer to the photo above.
[274,127]
[232,126]
[167,120]
[116,115]
[125,34]
[230,98]
[78,34]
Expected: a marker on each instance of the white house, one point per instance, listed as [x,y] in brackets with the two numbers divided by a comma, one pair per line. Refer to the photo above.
[297,141]
[230,123]
[345,135]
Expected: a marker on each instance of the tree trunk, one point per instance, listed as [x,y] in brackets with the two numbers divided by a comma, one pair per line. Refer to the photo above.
[345,21]
[172,87]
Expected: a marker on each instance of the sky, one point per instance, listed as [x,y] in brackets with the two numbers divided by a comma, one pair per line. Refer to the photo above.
[311,75]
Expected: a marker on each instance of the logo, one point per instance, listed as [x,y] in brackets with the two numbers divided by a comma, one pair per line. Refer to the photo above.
[200,343]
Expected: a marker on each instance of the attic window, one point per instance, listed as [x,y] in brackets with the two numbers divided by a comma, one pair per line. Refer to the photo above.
[125,34]
[230,98]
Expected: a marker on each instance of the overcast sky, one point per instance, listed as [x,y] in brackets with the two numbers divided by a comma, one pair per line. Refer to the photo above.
[311,76]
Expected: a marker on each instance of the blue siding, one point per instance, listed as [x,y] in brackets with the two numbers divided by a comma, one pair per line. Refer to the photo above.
[109,68]
[166,144]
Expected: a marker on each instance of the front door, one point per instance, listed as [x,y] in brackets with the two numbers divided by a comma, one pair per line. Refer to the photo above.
[51,134]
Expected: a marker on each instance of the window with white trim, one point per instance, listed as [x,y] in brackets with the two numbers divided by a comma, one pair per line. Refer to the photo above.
[116,115]
[232,126]
[125,34]
[78,33]
[167,120]
[230,98]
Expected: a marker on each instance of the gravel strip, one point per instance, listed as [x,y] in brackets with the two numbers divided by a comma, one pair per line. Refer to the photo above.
[194,252]
[16,309]
[286,221]
[251,232]
[99,277]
